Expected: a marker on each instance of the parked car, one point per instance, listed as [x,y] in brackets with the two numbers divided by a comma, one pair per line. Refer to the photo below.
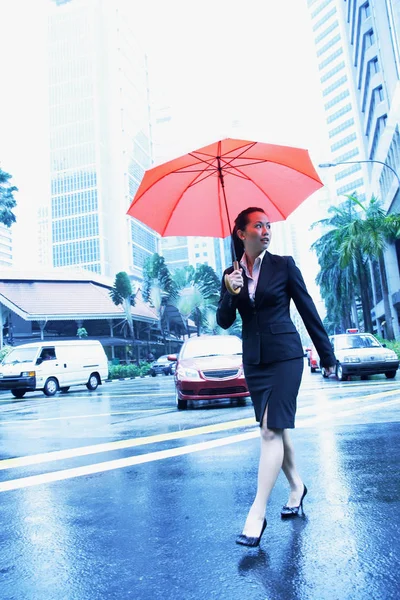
[362,354]
[209,367]
[161,366]
[53,367]
[313,359]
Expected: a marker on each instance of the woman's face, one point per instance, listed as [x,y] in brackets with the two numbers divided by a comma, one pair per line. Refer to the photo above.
[256,236]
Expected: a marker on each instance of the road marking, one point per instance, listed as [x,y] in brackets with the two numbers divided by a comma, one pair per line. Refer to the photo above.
[121,463]
[35,459]
[89,416]
[169,453]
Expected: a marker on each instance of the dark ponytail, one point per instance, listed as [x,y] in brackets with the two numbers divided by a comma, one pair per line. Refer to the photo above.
[240,224]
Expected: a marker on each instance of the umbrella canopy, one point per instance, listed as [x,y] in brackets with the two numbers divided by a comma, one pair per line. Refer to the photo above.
[202,192]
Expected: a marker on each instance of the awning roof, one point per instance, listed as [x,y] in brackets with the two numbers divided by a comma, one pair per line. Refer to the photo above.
[62,300]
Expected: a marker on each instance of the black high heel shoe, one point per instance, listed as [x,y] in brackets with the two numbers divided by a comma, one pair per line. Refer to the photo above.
[288,512]
[244,540]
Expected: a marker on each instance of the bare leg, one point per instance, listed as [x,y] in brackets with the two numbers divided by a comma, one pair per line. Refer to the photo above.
[271,458]
[289,468]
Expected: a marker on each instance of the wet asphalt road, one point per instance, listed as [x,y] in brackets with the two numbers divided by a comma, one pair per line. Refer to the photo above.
[115,494]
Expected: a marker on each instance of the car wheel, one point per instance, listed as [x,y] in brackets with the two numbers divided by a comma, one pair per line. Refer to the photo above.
[390,374]
[180,404]
[93,382]
[339,373]
[313,369]
[64,389]
[18,393]
[152,373]
[242,401]
[50,387]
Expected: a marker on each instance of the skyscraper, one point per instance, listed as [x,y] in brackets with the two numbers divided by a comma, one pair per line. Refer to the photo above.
[339,97]
[100,143]
[357,43]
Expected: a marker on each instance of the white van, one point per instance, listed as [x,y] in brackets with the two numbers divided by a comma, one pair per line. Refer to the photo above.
[53,366]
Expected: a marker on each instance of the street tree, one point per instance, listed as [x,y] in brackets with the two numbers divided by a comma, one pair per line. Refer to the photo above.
[376,231]
[122,294]
[7,201]
[343,274]
[159,289]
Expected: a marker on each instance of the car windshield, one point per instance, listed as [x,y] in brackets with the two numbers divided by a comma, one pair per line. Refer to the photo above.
[212,347]
[20,355]
[350,342]
[162,359]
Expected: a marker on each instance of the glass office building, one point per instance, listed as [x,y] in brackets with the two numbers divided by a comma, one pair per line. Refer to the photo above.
[338,96]
[100,142]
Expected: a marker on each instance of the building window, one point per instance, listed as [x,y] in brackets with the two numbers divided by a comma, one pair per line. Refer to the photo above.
[352,186]
[339,113]
[336,99]
[341,127]
[332,72]
[320,8]
[376,98]
[328,15]
[369,38]
[327,31]
[343,142]
[365,11]
[347,155]
[330,59]
[380,126]
[346,172]
[331,43]
[335,85]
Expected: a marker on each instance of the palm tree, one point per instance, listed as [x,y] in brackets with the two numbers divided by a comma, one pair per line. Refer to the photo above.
[159,289]
[7,201]
[343,275]
[377,229]
[122,293]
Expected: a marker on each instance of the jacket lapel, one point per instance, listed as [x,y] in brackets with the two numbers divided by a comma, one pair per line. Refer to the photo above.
[264,277]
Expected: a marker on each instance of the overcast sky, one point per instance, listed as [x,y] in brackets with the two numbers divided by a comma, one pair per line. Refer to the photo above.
[214,62]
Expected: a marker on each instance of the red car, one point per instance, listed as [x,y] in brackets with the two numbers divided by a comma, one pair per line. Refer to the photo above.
[209,367]
[313,359]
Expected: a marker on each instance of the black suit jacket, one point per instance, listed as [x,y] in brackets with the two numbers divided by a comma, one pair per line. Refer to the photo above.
[268,333]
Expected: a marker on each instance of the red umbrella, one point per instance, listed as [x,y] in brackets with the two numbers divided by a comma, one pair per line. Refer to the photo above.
[202,192]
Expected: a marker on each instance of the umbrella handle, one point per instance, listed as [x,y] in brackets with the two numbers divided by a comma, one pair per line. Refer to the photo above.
[228,283]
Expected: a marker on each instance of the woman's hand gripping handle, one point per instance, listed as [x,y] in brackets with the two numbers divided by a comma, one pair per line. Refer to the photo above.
[234,281]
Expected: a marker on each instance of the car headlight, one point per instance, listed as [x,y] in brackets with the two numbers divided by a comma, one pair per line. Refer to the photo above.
[351,359]
[187,373]
[391,356]
[28,374]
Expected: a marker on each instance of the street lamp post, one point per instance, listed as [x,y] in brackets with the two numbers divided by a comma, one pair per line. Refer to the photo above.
[356,162]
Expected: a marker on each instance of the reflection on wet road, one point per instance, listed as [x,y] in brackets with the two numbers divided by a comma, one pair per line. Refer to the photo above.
[116,494]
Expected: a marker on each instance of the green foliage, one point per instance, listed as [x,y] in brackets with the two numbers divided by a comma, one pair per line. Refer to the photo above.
[122,290]
[156,271]
[122,371]
[144,369]
[7,201]
[391,344]
[208,282]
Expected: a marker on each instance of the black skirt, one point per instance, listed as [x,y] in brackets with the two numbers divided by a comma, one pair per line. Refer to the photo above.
[275,385]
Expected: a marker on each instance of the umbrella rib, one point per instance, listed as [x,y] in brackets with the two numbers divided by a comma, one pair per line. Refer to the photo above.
[244,176]
[178,200]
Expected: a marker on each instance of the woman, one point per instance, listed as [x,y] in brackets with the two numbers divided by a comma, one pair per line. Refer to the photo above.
[261,291]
